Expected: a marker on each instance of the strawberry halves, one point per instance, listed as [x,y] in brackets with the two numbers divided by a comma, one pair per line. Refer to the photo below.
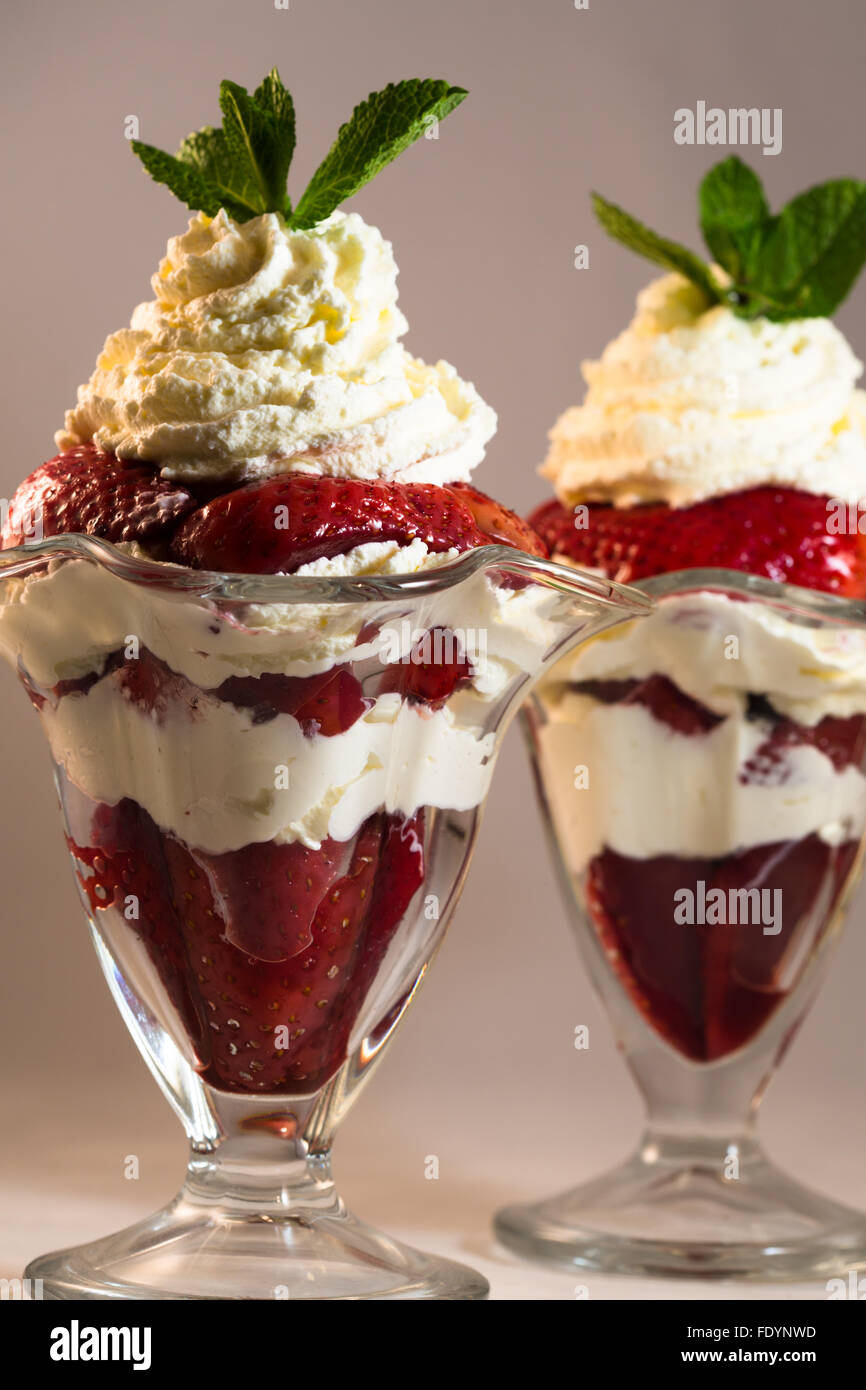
[778,533]
[97,494]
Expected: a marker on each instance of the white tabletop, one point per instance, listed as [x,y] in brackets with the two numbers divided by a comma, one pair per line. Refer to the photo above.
[62,1182]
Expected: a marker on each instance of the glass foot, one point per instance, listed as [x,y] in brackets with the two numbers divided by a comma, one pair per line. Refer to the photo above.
[670,1212]
[184,1252]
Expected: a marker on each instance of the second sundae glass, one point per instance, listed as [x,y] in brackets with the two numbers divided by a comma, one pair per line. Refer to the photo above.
[703,780]
[702,777]
[270,828]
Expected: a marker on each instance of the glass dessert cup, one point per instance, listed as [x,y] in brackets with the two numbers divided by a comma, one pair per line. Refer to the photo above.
[181,749]
[705,990]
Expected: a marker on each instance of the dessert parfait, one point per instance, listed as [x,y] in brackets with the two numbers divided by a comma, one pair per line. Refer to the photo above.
[704,773]
[273,631]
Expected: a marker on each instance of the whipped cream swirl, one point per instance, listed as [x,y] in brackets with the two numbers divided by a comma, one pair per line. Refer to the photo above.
[267,350]
[690,403]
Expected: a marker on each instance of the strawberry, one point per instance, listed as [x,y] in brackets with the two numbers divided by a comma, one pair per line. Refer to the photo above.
[758,969]
[436,667]
[144,681]
[325,704]
[665,701]
[124,849]
[97,494]
[269,894]
[336,991]
[277,525]
[779,533]
[400,874]
[124,867]
[842,740]
[314,994]
[52,695]
[708,988]
[261,937]
[658,963]
[268,527]
[499,525]
[151,684]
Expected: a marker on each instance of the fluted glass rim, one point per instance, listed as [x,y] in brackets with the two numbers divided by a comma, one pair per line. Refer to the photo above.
[801,605]
[21,560]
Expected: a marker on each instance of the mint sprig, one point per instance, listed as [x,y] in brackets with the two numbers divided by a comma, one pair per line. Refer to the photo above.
[625,228]
[380,128]
[734,214]
[799,263]
[243,165]
[814,250]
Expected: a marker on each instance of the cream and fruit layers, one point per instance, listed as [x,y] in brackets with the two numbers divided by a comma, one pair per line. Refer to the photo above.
[720,723]
[268,352]
[207,768]
[712,726]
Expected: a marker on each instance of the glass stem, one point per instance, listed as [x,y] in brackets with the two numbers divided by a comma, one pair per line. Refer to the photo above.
[698,1115]
[263,1174]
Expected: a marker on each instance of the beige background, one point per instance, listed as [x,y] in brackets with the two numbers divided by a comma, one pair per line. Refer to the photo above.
[484,223]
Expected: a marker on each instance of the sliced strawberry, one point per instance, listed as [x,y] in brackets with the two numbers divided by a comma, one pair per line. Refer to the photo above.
[498,523]
[709,987]
[40,696]
[658,962]
[268,894]
[436,666]
[124,849]
[843,741]
[152,685]
[779,533]
[400,874]
[340,989]
[97,494]
[263,938]
[666,702]
[314,996]
[279,524]
[246,999]
[325,704]
[124,867]
[805,879]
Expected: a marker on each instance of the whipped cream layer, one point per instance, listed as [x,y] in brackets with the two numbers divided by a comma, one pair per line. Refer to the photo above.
[718,650]
[655,791]
[214,779]
[690,403]
[267,350]
[206,769]
[63,624]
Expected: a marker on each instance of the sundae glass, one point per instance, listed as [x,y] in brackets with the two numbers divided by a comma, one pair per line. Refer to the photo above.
[703,775]
[274,636]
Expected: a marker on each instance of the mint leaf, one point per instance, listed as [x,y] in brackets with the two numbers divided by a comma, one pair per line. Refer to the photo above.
[379,129]
[800,263]
[186,181]
[814,251]
[241,166]
[207,152]
[271,96]
[734,217]
[259,138]
[633,234]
